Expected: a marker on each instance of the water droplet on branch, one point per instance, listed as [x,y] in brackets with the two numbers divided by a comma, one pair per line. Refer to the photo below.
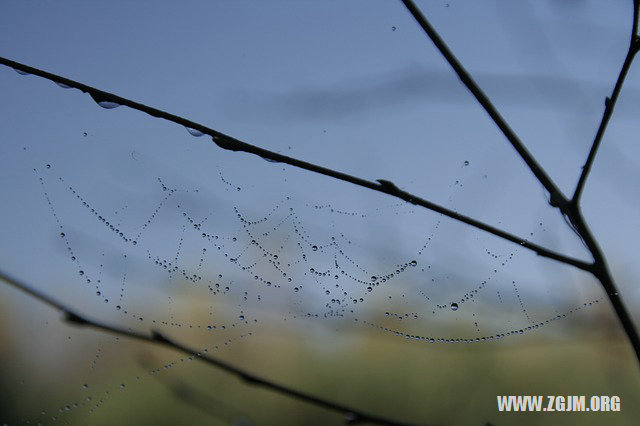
[104,103]
[194,132]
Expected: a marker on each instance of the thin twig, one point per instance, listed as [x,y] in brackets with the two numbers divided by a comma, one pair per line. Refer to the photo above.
[609,105]
[352,416]
[557,198]
[569,208]
[233,144]
[636,16]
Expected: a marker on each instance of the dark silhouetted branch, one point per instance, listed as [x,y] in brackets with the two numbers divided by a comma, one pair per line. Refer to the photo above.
[557,198]
[636,16]
[609,105]
[602,273]
[352,416]
[230,143]
[569,208]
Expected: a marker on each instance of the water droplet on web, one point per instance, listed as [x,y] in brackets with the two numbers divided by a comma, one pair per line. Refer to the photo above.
[81,272]
[270,160]
[64,86]
[48,166]
[466,162]
[194,132]
[314,248]
[393,28]
[413,263]
[454,306]
[62,234]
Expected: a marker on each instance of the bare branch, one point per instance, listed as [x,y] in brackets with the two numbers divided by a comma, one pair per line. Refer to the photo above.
[602,273]
[351,415]
[233,144]
[636,15]
[557,198]
[569,208]
[609,105]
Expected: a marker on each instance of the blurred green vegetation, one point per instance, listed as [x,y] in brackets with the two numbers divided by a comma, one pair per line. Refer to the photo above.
[342,361]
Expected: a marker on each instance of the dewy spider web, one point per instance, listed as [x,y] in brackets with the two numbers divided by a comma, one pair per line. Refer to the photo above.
[173,227]
[267,256]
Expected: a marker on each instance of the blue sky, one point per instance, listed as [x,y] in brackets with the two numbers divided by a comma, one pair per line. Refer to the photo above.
[354,86]
[351,85]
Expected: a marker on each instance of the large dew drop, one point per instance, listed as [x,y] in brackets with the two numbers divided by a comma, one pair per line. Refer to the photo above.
[108,105]
[454,306]
[104,103]
[194,132]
